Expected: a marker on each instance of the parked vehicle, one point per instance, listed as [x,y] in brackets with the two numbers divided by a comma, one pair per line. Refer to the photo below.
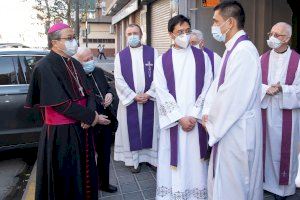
[19,127]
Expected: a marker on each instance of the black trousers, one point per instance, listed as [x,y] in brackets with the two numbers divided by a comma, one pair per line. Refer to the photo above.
[103,140]
[101,54]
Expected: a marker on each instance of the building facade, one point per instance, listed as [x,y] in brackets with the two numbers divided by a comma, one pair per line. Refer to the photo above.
[97,30]
[153,16]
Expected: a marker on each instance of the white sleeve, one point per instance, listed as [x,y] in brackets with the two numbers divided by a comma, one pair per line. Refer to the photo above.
[198,106]
[234,95]
[291,94]
[265,98]
[125,94]
[217,63]
[169,112]
[151,91]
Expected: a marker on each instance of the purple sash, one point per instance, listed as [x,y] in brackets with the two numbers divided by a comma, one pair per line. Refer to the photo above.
[210,54]
[139,139]
[221,81]
[287,118]
[170,78]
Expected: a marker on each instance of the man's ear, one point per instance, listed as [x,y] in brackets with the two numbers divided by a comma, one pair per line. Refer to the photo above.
[171,35]
[54,42]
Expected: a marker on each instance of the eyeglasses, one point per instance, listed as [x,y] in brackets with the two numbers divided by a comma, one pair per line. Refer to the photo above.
[70,38]
[276,35]
[180,32]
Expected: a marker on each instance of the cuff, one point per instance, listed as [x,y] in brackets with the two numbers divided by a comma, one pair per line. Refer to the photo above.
[129,100]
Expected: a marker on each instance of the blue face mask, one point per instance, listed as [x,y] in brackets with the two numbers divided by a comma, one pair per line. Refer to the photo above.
[134,40]
[89,66]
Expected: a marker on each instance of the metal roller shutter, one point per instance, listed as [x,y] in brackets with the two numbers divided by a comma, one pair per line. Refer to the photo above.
[160,15]
[137,19]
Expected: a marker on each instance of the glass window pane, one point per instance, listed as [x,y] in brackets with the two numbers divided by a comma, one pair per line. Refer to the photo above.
[8,75]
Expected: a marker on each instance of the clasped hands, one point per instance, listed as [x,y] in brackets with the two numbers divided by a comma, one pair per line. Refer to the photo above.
[188,123]
[142,98]
[99,119]
[274,89]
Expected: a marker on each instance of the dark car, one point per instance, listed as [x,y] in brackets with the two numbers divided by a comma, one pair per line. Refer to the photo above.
[19,127]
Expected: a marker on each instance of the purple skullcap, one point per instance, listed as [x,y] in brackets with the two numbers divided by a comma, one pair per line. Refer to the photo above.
[57,27]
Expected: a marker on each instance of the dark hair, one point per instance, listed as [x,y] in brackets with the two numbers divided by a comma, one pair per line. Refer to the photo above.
[53,36]
[136,25]
[178,19]
[232,9]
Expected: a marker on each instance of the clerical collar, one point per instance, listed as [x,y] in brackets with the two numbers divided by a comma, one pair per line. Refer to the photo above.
[282,51]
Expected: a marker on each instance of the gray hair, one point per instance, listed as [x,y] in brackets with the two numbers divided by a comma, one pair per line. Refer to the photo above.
[287,27]
[81,53]
[53,36]
[198,34]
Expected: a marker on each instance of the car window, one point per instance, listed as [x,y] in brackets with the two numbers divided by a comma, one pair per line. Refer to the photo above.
[28,63]
[8,66]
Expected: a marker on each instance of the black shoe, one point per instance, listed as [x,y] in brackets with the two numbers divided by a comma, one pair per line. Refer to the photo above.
[134,171]
[110,188]
[153,168]
[277,197]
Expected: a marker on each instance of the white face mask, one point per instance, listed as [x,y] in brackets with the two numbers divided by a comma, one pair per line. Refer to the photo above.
[183,40]
[274,42]
[217,33]
[71,47]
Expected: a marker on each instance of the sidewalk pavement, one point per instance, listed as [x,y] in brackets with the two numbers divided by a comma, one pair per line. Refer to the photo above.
[106,64]
[140,186]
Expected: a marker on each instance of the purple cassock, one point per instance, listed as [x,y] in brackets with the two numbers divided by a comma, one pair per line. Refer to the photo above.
[287,118]
[167,62]
[211,55]
[139,139]
[221,81]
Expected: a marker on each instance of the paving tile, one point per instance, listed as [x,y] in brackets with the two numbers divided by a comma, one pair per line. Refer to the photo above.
[147,184]
[144,176]
[126,179]
[144,168]
[149,194]
[123,172]
[130,187]
[117,197]
[133,196]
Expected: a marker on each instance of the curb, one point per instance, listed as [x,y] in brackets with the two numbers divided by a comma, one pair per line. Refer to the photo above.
[29,193]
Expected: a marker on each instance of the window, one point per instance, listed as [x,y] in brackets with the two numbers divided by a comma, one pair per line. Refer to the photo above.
[8,66]
[97,41]
[28,64]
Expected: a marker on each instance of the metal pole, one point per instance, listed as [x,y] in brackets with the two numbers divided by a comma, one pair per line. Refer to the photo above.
[86,33]
[86,24]
[77,22]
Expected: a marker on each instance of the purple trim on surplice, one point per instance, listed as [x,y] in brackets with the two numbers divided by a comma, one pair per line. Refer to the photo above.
[168,68]
[139,139]
[287,118]
[221,81]
[210,54]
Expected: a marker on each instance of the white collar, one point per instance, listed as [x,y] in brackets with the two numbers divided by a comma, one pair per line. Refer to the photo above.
[231,42]
[287,52]
[136,48]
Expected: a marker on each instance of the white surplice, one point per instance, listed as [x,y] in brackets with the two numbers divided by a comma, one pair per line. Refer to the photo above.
[188,180]
[126,97]
[234,121]
[289,98]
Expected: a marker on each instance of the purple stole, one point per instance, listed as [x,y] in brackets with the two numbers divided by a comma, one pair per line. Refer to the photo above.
[287,118]
[210,54]
[139,139]
[221,81]
[167,62]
